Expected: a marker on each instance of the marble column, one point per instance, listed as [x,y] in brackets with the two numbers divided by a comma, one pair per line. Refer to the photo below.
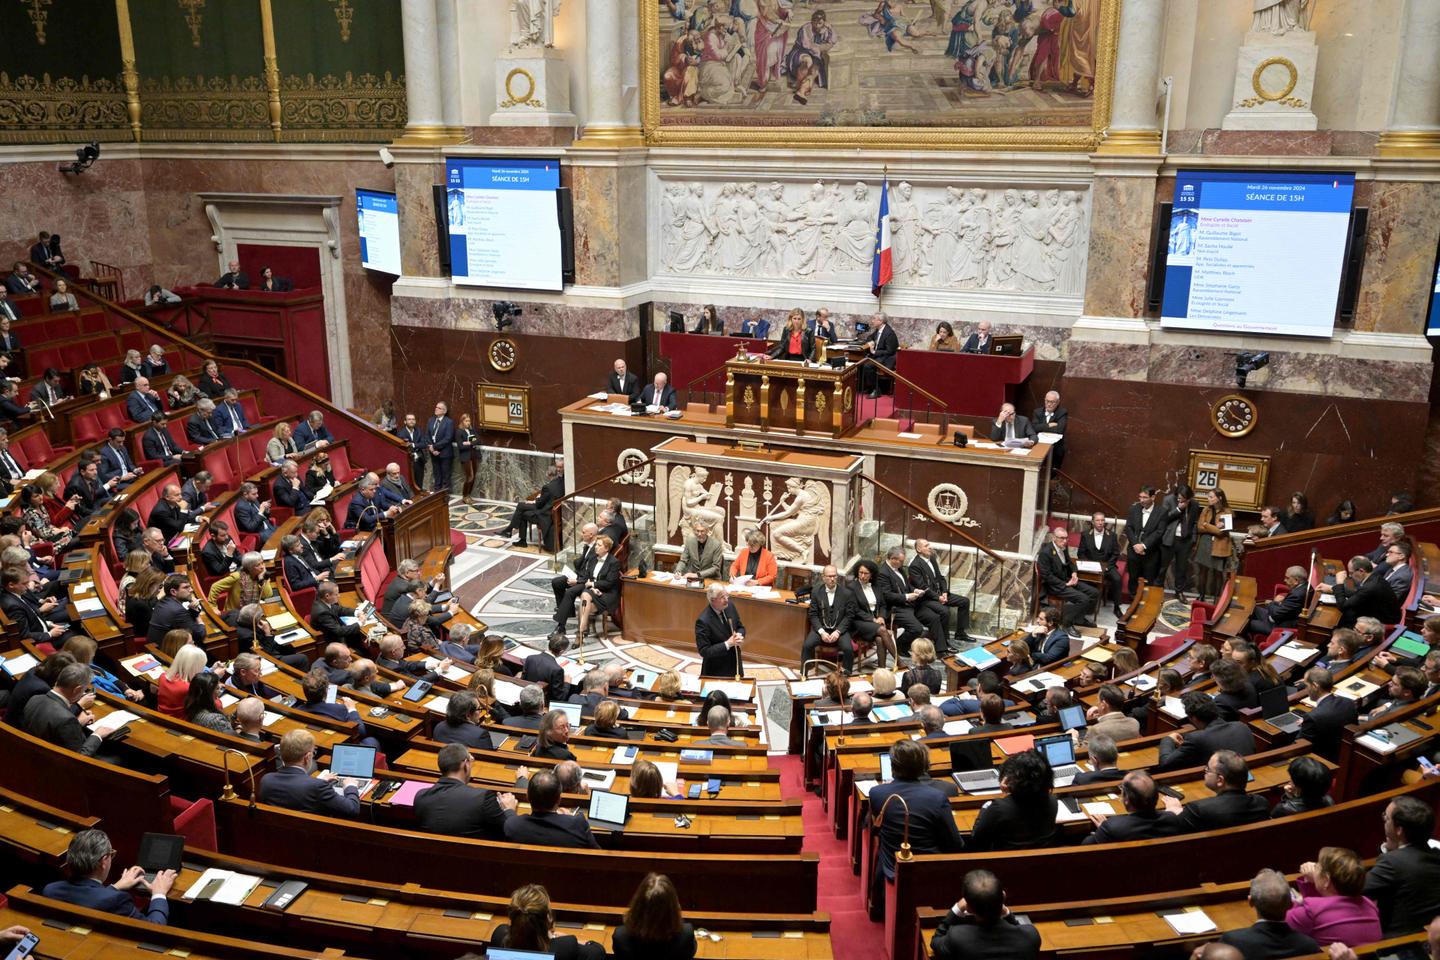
[447,24]
[1414,126]
[605,124]
[425,122]
[1134,124]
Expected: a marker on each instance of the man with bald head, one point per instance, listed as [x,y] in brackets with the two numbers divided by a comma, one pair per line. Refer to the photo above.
[1142,819]
[660,394]
[980,341]
[933,606]
[1050,417]
[169,514]
[623,381]
[567,589]
[233,278]
[144,401]
[1011,427]
[882,343]
[831,614]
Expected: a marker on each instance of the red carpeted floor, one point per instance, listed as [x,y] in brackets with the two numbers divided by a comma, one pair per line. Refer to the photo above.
[852,935]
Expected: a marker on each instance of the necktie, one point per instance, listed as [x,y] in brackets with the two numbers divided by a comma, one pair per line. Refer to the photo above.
[434,430]
[1009,429]
[164,442]
[11,466]
[234,417]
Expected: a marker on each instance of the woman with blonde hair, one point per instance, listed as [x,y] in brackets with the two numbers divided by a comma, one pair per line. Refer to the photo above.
[668,686]
[1020,658]
[647,783]
[1124,661]
[796,342]
[281,444]
[654,927]
[174,683]
[182,392]
[467,442]
[883,680]
[755,560]
[922,667]
[602,589]
[532,927]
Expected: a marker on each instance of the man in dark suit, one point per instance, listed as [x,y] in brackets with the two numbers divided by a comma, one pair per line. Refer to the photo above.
[568,589]
[157,444]
[1325,723]
[12,471]
[88,862]
[115,461]
[440,445]
[9,342]
[169,515]
[200,428]
[409,431]
[1404,688]
[937,601]
[48,391]
[11,409]
[1060,578]
[176,611]
[1226,774]
[830,616]
[719,635]
[1141,820]
[220,555]
[1100,545]
[1397,570]
[143,402]
[21,281]
[251,514]
[85,483]
[285,491]
[1270,937]
[312,432]
[395,484]
[883,345]
[153,542]
[932,825]
[980,340]
[981,927]
[1181,511]
[230,417]
[1050,417]
[612,523]
[14,582]
[292,786]
[298,573]
[327,615]
[234,278]
[365,508]
[660,394]
[1010,427]
[1405,881]
[40,251]
[1104,757]
[1363,592]
[594,689]
[546,826]
[1192,749]
[454,808]
[61,715]
[544,667]
[623,381]
[1144,529]
[899,598]
[537,510]
[1285,609]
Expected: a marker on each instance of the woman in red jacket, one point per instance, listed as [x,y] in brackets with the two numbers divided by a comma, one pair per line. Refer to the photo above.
[755,560]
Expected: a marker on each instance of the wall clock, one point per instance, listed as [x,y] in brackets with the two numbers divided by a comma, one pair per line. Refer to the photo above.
[503,354]
[1234,416]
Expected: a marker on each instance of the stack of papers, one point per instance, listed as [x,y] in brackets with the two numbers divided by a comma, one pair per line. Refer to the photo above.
[1096,653]
[957,728]
[1173,707]
[669,770]
[1192,920]
[269,718]
[1355,689]
[114,720]
[861,686]
[409,790]
[89,605]
[16,666]
[283,620]
[865,786]
[735,691]
[1046,437]
[438,704]
[1297,652]
[807,688]
[147,666]
[1087,566]
[892,711]
[979,658]
[1100,808]
[508,693]
[661,577]
[223,886]
[1063,814]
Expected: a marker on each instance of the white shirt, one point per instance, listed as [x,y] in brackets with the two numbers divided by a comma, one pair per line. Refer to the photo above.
[1099,536]
[869,593]
[1145,517]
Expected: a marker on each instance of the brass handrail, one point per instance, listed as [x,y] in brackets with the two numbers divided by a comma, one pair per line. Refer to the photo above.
[707,376]
[887,372]
[555,507]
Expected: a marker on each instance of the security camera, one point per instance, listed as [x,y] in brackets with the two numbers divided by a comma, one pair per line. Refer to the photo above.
[505,313]
[1248,363]
[85,157]
[386,157]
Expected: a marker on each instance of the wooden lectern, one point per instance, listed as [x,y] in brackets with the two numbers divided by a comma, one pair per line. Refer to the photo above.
[790,396]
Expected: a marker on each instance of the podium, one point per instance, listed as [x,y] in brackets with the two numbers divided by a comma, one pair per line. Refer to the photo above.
[790,396]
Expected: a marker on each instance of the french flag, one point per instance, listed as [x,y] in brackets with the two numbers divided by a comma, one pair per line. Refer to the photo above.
[881,271]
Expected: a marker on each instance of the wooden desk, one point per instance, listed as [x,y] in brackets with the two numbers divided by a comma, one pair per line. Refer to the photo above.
[790,396]
[665,613]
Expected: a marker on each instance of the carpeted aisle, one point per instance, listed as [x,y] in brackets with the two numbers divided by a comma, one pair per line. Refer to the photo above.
[852,935]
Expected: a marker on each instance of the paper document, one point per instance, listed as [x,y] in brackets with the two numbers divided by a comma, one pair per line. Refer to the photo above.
[1355,689]
[1063,814]
[1101,808]
[732,689]
[456,673]
[957,728]
[669,770]
[807,688]
[569,573]
[268,718]
[232,887]
[909,436]
[508,693]
[1297,652]
[267,555]
[228,700]
[622,757]
[865,786]
[861,686]
[114,720]
[409,790]
[89,605]
[1173,707]
[438,704]
[599,395]
[283,620]
[1088,566]
[24,663]
[1048,437]
[1040,681]
[1190,921]
[1144,683]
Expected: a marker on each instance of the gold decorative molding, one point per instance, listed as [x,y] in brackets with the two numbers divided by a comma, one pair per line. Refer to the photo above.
[129,76]
[1135,142]
[56,110]
[608,138]
[1282,97]
[527,98]
[193,18]
[204,108]
[875,137]
[346,108]
[35,9]
[344,14]
[1409,145]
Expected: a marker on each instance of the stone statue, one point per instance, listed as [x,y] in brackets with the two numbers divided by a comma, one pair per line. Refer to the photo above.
[1281,16]
[801,516]
[691,501]
[533,23]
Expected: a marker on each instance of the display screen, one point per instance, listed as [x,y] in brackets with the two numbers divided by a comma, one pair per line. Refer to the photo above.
[1256,252]
[1432,325]
[379,217]
[504,223]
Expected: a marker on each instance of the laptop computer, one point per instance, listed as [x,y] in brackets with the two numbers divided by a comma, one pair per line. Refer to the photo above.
[571,710]
[974,769]
[1060,751]
[160,851]
[353,761]
[608,810]
[1275,705]
[1072,718]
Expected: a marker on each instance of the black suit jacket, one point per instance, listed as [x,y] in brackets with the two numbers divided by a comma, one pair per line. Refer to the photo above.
[1004,824]
[1107,775]
[24,616]
[1024,430]
[470,734]
[237,280]
[630,386]
[1199,744]
[887,345]
[1324,725]
[1270,940]
[1405,885]
[925,574]
[158,447]
[973,344]
[932,825]
[295,789]
[553,490]
[1371,598]
[287,494]
[1176,518]
[860,608]
[1230,808]
[92,494]
[459,810]
[1055,567]
[48,717]
[667,397]
[965,938]
[550,830]
[544,668]
[827,616]
[1286,611]
[297,574]
[711,633]
[1135,826]
[326,619]
[891,586]
[782,346]
[216,562]
[1056,421]
[169,519]
[1108,552]
[625,946]
[171,614]
[1151,533]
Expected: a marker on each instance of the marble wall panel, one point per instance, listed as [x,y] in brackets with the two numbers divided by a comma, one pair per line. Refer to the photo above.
[474,314]
[1123,208]
[419,245]
[99,215]
[595,193]
[1399,257]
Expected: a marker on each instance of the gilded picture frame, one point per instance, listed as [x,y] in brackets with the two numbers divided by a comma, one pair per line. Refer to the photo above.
[666,125]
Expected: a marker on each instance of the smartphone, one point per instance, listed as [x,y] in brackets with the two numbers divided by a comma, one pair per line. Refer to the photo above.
[712,786]
[416,693]
[330,693]
[1426,765]
[694,793]
[24,947]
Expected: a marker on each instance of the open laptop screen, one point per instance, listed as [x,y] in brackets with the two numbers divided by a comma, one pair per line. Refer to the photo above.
[352,760]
